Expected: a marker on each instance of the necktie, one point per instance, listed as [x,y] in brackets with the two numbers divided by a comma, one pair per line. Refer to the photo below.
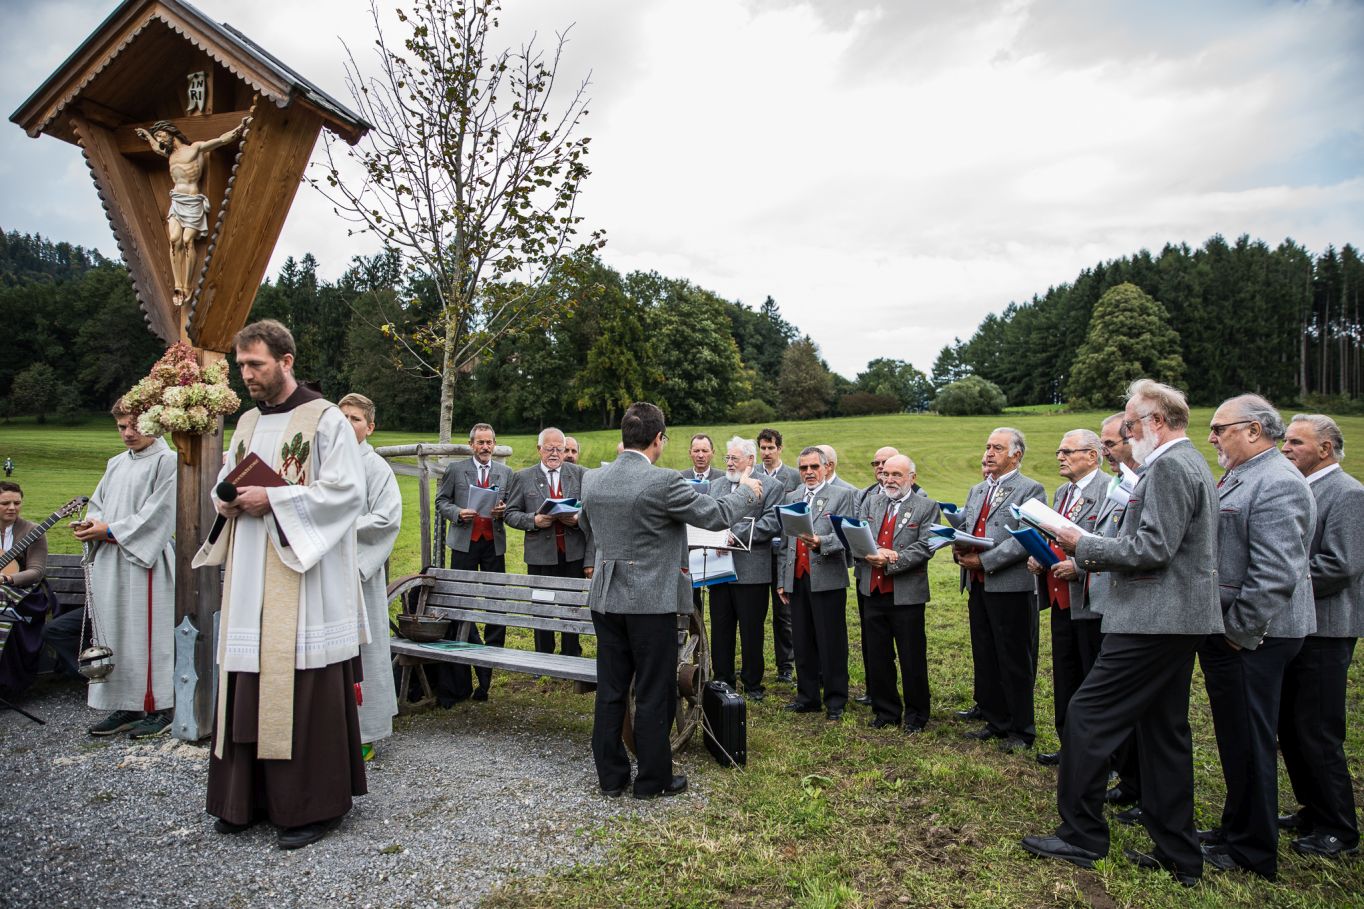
[483,475]
[560,543]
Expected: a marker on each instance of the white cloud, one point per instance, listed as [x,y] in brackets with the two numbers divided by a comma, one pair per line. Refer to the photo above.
[890,172]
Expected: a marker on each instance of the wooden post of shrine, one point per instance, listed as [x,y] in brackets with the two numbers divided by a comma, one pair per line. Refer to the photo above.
[196,139]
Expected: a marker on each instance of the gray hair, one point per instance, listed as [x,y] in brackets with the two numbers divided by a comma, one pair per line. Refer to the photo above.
[815,450]
[1018,445]
[1089,439]
[1327,430]
[829,454]
[1117,416]
[747,446]
[540,439]
[1254,407]
[479,427]
[912,468]
[1169,402]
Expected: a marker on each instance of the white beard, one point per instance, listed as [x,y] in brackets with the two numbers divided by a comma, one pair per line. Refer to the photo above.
[1142,448]
[733,475]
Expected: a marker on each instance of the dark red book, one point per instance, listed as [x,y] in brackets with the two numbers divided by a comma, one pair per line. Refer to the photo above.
[252,471]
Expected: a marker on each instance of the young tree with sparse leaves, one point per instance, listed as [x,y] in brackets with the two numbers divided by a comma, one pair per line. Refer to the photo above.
[469,176]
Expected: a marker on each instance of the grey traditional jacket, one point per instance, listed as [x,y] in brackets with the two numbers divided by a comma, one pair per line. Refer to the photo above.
[1267,516]
[637,515]
[1160,568]
[1005,563]
[828,565]
[1085,512]
[1107,523]
[1337,556]
[711,475]
[529,490]
[454,495]
[755,565]
[908,573]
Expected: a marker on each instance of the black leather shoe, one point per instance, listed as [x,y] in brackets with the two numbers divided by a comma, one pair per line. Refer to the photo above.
[613,793]
[1160,863]
[1056,848]
[1218,857]
[1131,817]
[971,713]
[1120,796]
[298,837]
[1049,758]
[1294,823]
[785,678]
[983,734]
[836,714]
[1213,836]
[1324,845]
[480,694]
[881,722]
[754,694]
[1014,744]
[227,828]
[914,728]
[678,784]
[800,707]
[863,699]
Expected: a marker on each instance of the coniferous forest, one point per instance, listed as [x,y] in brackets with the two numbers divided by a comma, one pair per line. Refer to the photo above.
[1220,319]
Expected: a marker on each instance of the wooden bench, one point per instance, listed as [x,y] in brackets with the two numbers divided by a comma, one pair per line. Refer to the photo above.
[514,600]
[534,602]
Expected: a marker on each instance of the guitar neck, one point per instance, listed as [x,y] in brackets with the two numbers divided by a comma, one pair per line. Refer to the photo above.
[28,540]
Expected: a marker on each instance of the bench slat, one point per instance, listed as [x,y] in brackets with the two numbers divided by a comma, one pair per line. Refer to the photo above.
[516,621]
[556,665]
[513,608]
[498,579]
[511,594]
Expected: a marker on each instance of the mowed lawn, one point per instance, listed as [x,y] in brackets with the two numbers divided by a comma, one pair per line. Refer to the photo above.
[830,814]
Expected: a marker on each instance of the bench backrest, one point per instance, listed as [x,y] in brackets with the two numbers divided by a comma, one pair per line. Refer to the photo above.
[519,600]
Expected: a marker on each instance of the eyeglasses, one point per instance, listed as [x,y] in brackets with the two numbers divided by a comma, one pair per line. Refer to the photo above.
[1128,424]
[810,467]
[663,436]
[1218,429]
[877,463]
[1109,444]
[735,458]
[1067,452]
[553,450]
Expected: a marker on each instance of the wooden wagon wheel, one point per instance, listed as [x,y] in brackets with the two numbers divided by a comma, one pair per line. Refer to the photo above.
[402,590]
[693,671]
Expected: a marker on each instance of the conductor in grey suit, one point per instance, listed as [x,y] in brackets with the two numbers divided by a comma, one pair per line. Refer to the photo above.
[1160,601]
[1265,529]
[637,515]
[1312,713]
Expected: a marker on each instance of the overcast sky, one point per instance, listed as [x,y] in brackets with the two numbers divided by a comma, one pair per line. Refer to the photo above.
[889,172]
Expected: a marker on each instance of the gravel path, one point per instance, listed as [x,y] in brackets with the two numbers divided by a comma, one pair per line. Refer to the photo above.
[91,822]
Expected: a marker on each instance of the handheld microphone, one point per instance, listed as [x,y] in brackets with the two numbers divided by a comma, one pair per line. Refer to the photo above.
[226,491]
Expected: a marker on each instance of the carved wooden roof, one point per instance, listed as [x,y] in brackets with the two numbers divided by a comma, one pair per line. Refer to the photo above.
[103,75]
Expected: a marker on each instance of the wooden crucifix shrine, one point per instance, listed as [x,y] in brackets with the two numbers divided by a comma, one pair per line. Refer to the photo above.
[197,139]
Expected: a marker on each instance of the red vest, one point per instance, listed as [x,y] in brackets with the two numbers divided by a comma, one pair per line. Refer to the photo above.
[483,527]
[1058,591]
[558,525]
[885,540]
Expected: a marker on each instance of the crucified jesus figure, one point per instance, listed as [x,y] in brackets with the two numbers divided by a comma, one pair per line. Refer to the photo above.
[187,218]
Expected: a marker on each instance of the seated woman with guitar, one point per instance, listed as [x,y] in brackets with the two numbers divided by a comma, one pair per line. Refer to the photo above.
[24,595]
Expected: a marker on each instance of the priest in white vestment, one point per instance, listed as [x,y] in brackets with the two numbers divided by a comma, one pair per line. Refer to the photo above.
[129,529]
[286,744]
[376,532]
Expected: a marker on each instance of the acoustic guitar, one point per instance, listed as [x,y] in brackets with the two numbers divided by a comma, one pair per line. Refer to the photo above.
[9,560]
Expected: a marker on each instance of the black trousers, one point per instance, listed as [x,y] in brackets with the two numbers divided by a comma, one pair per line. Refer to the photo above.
[890,631]
[62,636]
[544,640]
[1074,648]
[1140,682]
[1005,648]
[1244,691]
[862,634]
[638,649]
[741,608]
[1312,737]
[819,628]
[452,681]
[783,647]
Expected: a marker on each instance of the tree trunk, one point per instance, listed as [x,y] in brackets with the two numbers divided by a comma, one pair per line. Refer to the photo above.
[447,385]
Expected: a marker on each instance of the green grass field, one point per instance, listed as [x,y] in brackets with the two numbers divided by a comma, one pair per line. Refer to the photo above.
[830,815]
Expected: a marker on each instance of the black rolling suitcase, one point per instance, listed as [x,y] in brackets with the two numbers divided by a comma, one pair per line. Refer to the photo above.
[726,724]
